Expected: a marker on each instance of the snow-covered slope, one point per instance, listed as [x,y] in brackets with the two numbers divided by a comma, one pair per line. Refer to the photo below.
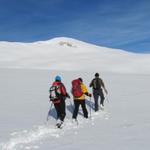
[123,125]
[70,54]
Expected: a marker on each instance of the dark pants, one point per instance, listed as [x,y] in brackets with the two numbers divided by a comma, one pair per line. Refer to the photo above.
[77,103]
[61,110]
[96,94]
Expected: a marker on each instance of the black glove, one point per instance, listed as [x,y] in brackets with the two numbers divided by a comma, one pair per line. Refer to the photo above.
[89,94]
[67,95]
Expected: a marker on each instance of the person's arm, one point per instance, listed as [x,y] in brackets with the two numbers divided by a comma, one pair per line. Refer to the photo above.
[103,85]
[85,91]
[91,84]
[63,91]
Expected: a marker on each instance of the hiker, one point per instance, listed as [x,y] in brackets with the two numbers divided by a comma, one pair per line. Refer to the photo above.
[79,91]
[58,94]
[98,86]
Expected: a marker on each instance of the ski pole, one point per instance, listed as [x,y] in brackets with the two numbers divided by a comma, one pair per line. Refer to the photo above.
[90,108]
[107,99]
[49,112]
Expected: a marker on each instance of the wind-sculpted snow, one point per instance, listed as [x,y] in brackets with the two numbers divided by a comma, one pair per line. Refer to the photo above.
[23,139]
[70,54]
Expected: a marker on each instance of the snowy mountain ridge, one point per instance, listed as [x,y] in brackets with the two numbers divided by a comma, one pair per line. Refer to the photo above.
[70,54]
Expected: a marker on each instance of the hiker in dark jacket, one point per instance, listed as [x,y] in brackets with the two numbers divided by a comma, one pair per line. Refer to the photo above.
[98,86]
[59,102]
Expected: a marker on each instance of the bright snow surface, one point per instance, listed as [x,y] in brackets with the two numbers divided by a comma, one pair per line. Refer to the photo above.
[123,125]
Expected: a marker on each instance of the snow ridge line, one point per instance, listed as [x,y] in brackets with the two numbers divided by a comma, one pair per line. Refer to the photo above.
[42,131]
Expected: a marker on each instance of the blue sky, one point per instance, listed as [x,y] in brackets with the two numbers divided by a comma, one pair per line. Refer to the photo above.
[111,23]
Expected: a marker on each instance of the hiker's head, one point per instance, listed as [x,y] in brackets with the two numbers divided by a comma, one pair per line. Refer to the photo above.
[57,78]
[80,79]
[96,74]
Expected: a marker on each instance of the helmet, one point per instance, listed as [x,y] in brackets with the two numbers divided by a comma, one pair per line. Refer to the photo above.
[96,74]
[57,78]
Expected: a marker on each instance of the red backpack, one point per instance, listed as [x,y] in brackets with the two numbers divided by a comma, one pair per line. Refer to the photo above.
[76,88]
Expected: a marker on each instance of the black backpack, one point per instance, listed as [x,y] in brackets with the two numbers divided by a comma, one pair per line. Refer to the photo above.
[55,92]
[97,83]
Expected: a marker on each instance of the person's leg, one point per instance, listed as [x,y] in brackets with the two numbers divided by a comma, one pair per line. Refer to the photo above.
[85,112]
[62,110]
[76,109]
[95,94]
[102,97]
[57,107]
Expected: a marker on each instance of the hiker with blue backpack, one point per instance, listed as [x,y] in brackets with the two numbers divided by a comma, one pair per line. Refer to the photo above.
[98,86]
[58,95]
[79,90]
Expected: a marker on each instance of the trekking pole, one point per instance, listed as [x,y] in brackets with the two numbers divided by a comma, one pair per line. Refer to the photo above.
[107,99]
[49,112]
[90,108]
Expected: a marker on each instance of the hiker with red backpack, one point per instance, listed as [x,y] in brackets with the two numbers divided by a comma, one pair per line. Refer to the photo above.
[98,86]
[79,91]
[58,94]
